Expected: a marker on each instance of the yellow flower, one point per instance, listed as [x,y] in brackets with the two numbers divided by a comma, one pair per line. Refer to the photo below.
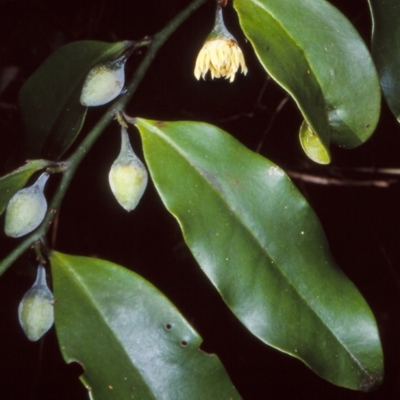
[221,54]
[222,57]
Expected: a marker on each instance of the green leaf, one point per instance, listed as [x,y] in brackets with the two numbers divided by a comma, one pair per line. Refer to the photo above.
[315,54]
[385,49]
[16,180]
[131,341]
[263,248]
[49,100]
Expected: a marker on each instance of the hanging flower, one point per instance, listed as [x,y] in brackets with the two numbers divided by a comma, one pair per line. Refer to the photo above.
[221,54]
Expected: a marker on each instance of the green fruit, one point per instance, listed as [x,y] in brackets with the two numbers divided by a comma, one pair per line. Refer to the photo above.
[103,83]
[36,309]
[128,175]
[26,209]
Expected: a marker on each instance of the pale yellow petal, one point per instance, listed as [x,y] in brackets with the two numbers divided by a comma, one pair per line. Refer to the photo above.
[222,58]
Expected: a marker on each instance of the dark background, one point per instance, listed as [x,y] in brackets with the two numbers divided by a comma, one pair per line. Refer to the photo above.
[361,222]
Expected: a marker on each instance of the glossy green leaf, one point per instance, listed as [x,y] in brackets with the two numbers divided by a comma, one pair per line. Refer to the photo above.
[315,54]
[16,180]
[386,50]
[49,100]
[263,248]
[312,145]
[131,341]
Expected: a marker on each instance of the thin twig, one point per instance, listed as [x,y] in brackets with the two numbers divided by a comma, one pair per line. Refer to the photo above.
[271,122]
[323,180]
[386,171]
[257,105]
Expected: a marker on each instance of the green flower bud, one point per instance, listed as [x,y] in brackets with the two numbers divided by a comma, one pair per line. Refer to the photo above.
[104,83]
[36,310]
[26,209]
[128,175]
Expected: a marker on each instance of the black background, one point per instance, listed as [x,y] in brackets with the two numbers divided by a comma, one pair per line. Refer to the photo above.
[361,222]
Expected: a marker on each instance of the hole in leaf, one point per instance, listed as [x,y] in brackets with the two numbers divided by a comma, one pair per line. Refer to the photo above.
[168,327]
[70,377]
[76,368]
[184,343]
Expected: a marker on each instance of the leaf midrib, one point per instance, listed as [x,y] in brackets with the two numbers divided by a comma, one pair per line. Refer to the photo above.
[81,284]
[182,153]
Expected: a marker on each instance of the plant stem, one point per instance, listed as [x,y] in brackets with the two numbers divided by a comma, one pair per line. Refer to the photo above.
[117,106]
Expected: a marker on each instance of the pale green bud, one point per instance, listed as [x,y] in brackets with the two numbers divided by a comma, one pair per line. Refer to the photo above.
[104,83]
[36,310]
[128,175]
[26,209]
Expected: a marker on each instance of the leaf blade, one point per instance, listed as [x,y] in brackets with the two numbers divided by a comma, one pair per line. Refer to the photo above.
[385,49]
[130,339]
[315,54]
[263,248]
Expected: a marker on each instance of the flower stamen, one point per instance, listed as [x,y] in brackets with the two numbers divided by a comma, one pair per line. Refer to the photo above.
[220,54]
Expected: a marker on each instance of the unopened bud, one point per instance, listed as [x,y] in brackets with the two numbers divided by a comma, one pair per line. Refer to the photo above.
[36,310]
[312,145]
[26,209]
[104,83]
[128,175]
